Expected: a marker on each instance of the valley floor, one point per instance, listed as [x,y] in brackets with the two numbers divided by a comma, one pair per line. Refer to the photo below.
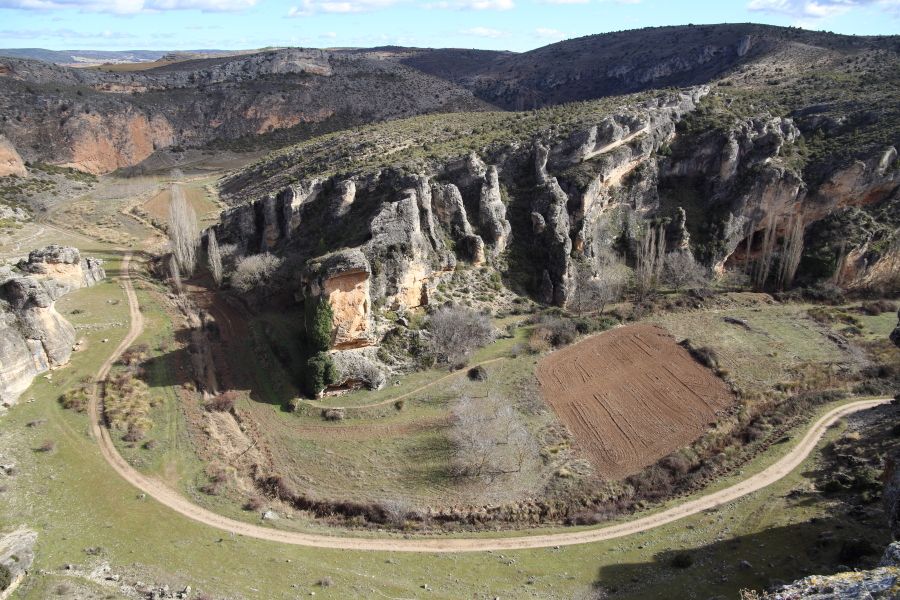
[113,536]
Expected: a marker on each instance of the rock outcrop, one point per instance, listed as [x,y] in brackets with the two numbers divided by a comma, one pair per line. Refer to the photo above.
[34,337]
[875,584]
[17,555]
[99,121]
[10,161]
[388,235]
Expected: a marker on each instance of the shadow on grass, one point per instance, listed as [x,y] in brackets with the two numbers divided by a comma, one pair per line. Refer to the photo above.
[759,561]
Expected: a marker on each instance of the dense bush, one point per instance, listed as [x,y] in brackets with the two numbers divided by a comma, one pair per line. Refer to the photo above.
[456,332]
[682,560]
[702,354]
[75,399]
[5,577]
[877,307]
[319,324]
[224,402]
[558,331]
[320,373]
[254,271]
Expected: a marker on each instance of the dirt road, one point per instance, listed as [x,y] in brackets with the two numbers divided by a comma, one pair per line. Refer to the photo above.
[175,501]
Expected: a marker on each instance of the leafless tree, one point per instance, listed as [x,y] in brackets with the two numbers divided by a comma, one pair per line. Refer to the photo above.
[457,331]
[838,275]
[489,438]
[175,273]
[214,257]
[767,251]
[183,232]
[651,254]
[594,290]
[681,270]
[791,251]
[254,271]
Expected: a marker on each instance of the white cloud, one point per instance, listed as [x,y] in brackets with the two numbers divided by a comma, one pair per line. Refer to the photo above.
[547,33]
[811,11]
[564,1]
[485,32]
[474,4]
[130,6]
[311,7]
[308,8]
[66,34]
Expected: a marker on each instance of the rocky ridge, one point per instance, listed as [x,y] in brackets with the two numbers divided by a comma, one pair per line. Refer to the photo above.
[99,121]
[387,236]
[34,337]
[564,189]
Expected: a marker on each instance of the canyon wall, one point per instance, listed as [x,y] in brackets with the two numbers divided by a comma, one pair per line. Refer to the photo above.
[535,207]
[34,337]
[99,121]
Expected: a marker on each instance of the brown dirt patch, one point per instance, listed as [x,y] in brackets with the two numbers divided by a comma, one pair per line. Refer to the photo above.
[630,396]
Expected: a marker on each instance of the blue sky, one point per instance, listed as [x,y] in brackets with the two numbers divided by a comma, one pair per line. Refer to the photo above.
[494,24]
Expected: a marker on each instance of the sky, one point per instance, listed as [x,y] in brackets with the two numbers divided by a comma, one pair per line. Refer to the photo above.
[516,25]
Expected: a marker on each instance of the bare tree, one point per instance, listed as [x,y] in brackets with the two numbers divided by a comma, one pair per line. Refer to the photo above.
[489,438]
[838,276]
[764,262]
[214,257]
[594,290]
[791,251]
[681,270]
[651,252]
[174,273]
[254,271]
[184,236]
[457,331]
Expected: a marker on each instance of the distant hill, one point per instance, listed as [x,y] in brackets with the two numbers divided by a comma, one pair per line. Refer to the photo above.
[97,57]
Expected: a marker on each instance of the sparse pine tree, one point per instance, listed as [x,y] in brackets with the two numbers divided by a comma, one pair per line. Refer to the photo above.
[214,257]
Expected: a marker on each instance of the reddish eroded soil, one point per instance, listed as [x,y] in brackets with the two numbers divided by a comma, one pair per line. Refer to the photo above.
[630,396]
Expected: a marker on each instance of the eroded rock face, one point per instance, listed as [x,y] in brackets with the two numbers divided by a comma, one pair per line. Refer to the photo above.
[99,121]
[34,337]
[343,279]
[10,161]
[17,552]
[413,228]
[102,143]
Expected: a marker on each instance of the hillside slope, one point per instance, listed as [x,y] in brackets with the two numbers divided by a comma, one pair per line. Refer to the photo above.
[539,195]
[100,121]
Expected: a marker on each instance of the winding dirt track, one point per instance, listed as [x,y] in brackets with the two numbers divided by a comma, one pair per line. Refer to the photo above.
[173,500]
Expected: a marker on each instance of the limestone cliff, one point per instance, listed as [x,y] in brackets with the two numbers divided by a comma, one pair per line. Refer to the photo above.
[385,235]
[10,161]
[99,121]
[34,337]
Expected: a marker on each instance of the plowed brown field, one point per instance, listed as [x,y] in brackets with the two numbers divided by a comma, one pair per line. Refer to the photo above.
[630,396]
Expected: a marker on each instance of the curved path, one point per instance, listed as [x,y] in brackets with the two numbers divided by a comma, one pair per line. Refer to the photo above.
[175,501]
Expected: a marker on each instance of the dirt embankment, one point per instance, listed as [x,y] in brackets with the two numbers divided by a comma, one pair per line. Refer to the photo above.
[631,396]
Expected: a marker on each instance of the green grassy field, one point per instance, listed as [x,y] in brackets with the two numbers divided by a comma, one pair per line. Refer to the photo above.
[75,502]
[85,515]
[780,338]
